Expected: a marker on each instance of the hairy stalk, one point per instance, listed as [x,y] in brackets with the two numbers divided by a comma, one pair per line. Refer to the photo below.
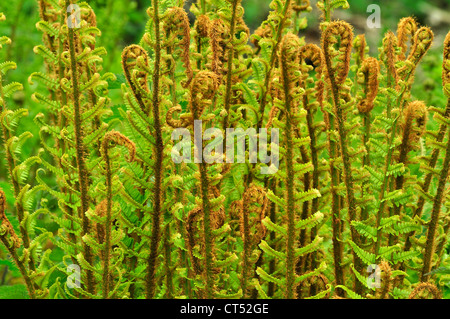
[422,42]
[345,32]
[337,224]
[288,53]
[228,90]
[83,174]
[11,165]
[168,262]
[439,138]
[273,57]
[314,54]
[273,217]
[414,127]
[435,213]
[150,282]
[111,139]
[202,93]
[382,205]
[9,238]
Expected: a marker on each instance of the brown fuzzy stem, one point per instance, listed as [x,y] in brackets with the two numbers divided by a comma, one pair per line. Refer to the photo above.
[80,158]
[150,282]
[432,226]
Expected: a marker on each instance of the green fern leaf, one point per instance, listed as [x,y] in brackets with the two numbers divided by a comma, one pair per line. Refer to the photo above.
[367,257]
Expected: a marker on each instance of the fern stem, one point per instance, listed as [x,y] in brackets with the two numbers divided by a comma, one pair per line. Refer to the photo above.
[23,271]
[228,91]
[348,178]
[426,184]
[159,149]
[335,204]
[80,157]
[207,233]
[11,165]
[273,217]
[247,252]
[301,264]
[290,173]
[383,190]
[168,262]
[431,234]
[273,57]
[366,158]
[106,252]
[315,176]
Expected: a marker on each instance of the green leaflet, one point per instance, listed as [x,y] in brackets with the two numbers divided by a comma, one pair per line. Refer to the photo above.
[309,248]
[46,28]
[7,66]
[322,267]
[365,230]
[367,257]
[310,222]
[360,277]
[404,256]
[307,196]
[45,53]
[258,287]
[274,227]
[321,294]
[351,293]
[270,251]
[334,4]
[265,276]
[274,198]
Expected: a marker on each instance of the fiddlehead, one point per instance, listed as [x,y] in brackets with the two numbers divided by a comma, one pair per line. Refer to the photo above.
[368,77]
[136,78]
[423,289]
[407,27]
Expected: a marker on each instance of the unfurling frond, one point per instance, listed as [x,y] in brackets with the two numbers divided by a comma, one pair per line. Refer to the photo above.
[369,77]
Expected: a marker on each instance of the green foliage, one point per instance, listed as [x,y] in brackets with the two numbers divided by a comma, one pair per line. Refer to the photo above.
[89,177]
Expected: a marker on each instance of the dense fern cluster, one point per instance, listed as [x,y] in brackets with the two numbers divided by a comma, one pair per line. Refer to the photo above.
[361,184]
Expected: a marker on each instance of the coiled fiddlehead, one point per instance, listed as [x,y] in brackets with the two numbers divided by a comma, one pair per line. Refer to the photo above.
[424,287]
[136,78]
[423,39]
[176,23]
[407,27]
[368,76]
[337,31]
